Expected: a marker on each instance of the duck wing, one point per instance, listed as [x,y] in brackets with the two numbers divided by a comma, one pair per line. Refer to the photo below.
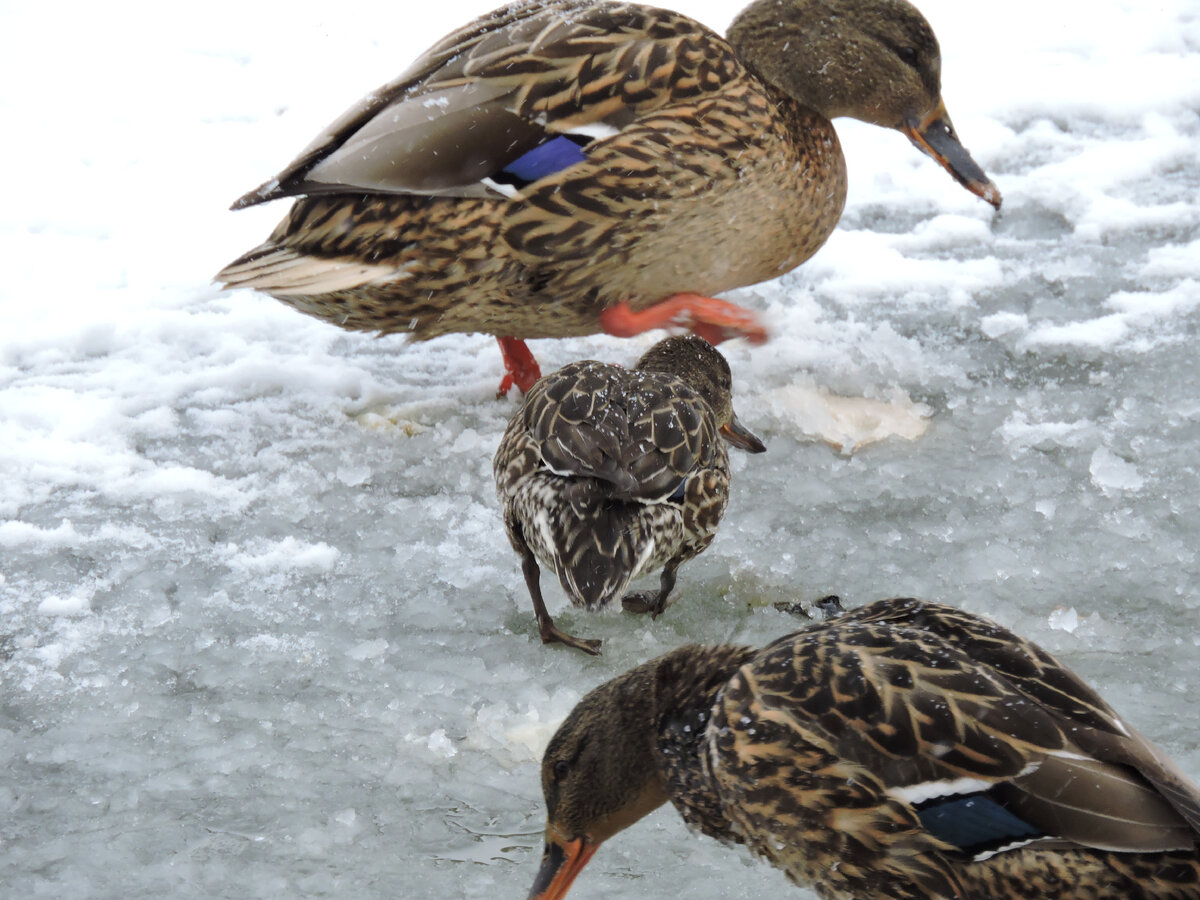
[674,436]
[924,736]
[509,98]
[1104,737]
[645,434]
[576,421]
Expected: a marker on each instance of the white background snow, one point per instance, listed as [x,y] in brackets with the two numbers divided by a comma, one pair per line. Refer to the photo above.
[261,634]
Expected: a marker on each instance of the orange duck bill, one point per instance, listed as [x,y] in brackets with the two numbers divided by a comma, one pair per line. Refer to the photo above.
[934,135]
[561,862]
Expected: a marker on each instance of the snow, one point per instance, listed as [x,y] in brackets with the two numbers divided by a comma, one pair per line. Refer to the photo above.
[1064,619]
[261,633]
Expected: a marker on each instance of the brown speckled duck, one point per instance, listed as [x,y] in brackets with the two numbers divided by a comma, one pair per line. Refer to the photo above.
[566,167]
[903,751]
[606,472]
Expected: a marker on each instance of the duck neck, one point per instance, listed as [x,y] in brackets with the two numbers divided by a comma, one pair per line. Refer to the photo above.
[689,680]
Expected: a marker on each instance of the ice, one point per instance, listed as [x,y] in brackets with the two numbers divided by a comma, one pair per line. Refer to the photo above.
[1112,474]
[368,650]
[74,605]
[1063,619]
[261,632]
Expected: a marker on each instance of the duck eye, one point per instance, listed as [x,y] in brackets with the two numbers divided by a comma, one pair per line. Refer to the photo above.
[909,55]
[561,768]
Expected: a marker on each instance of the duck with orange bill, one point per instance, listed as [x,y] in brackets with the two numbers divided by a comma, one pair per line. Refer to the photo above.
[570,167]
[902,751]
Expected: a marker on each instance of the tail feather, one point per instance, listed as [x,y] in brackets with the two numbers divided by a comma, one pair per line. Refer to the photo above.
[282,270]
[600,555]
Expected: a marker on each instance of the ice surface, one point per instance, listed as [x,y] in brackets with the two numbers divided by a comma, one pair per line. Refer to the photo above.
[261,634]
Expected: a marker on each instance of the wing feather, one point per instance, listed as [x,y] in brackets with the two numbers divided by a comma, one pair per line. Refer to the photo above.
[495,89]
[646,434]
[908,702]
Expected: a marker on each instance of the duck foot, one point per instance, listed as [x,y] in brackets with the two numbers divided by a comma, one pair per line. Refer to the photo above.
[551,635]
[546,627]
[644,602]
[520,367]
[714,320]
[653,602]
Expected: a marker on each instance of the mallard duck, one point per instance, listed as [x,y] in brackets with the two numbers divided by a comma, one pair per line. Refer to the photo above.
[904,750]
[605,473]
[568,167]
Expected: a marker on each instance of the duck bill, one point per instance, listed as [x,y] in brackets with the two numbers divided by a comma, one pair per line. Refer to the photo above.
[561,862]
[934,136]
[741,436]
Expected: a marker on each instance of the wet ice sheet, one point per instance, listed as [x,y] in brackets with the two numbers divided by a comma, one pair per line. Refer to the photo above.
[260,631]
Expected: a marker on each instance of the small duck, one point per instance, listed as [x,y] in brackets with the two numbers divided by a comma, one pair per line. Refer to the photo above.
[902,751]
[606,472]
[568,167]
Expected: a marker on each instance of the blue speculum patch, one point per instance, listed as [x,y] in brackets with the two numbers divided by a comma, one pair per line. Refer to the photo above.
[974,823]
[556,154]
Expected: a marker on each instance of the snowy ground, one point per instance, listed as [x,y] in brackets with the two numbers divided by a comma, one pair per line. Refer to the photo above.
[260,631]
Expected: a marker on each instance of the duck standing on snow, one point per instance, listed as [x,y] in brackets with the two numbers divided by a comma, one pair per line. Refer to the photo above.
[566,167]
[903,751]
[607,472]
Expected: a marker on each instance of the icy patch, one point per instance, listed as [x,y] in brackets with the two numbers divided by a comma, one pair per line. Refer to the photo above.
[1138,324]
[894,275]
[1098,333]
[487,851]
[283,555]
[74,605]
[1063,619]
[1021,434]
[1003,324]
[14,533]
[1112,474]
[1175,260]
[512,735]
[353,476]
[441,745]
[368,650]
[1145,306]
[271,643]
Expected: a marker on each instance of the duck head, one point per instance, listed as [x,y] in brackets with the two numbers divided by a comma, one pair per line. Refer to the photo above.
[701,365]
[874,60]
[598,777]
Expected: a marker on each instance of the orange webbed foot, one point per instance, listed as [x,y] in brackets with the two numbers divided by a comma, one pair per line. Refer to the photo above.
[709,318]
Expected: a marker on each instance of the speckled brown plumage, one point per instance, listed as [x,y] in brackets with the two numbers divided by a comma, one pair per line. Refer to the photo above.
[904,751]
[619,227]
[606,472]
[411,222]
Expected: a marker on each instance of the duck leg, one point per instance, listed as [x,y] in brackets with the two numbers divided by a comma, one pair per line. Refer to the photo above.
[653,602]
[550,634]
[714,320]
[520,367]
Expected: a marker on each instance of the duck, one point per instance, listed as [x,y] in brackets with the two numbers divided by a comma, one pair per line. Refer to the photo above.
[558,168]
[904,750]
[605,473]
